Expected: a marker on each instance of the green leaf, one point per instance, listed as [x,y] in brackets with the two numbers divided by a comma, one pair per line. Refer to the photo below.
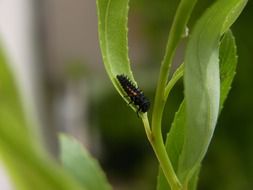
[175,138]
[112,27]
[81,165]
[26,162]
[228,64]
[202,82]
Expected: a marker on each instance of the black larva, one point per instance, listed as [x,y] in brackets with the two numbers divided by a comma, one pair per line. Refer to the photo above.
[134,93]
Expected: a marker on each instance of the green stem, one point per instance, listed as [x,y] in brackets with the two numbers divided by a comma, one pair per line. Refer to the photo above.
[162,156]
[176,76]
[178,27]
[145,121]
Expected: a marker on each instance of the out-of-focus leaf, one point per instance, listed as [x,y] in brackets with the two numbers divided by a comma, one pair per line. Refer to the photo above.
[26,162]
[81,165]
[175,138]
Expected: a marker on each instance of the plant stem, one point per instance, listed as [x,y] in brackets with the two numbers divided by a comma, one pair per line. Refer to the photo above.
[162,156]
[145,121]
[176,76]
[178,27]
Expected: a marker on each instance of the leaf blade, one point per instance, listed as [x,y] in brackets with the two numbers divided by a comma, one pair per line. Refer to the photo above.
[228,59]
[112,19]
[175,138]
[77,161]
[202,83]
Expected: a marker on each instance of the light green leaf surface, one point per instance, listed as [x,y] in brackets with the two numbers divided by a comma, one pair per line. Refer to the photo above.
[112,27]
[81,165]
[28,165]
[202,82]
[175,138]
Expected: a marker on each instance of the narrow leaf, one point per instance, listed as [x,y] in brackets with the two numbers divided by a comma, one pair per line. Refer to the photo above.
[175,138]
[112,27]
[228,64]
[202,82]
[81,165]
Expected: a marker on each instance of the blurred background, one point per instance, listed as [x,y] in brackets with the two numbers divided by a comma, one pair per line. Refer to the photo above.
[53,50]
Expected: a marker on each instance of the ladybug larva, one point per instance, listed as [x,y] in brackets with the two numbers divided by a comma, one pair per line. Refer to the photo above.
[134,93]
